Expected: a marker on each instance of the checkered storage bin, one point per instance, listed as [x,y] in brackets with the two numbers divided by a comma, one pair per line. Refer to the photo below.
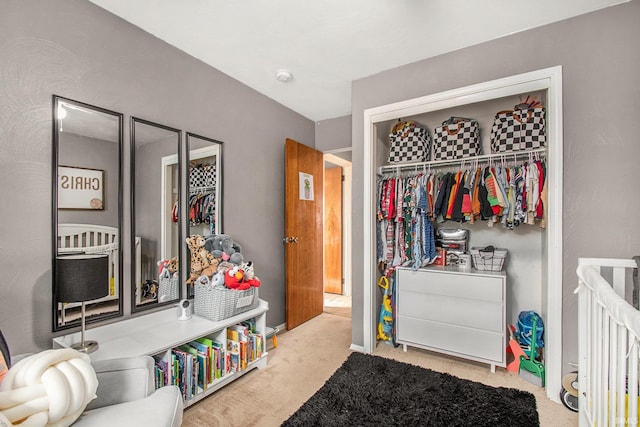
[457,138]
[202,176]
[409,143]
[515,130]
[218,303]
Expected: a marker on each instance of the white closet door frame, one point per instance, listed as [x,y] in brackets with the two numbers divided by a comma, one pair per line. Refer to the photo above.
[549,79]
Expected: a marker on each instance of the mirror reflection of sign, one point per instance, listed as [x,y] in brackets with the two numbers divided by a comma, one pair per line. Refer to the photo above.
[306,186]
[80,188]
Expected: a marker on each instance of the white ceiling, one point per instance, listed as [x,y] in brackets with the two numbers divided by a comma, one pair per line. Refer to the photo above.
[327,44]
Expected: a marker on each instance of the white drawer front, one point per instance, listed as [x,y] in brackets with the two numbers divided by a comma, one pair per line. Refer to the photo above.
[470,286]
[485,315]
[457,339]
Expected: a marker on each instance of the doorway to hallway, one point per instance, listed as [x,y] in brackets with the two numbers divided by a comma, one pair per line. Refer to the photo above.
[337,233]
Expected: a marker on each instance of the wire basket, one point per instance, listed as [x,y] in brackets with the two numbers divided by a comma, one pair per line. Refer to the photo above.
[218,303]
[488,258]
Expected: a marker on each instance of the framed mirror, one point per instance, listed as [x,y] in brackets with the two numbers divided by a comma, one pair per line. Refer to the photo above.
[204,187]
[87,207]
[156,223]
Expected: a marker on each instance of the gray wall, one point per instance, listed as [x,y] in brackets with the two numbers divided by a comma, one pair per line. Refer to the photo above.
[600,59]
[75,49]
[333,134]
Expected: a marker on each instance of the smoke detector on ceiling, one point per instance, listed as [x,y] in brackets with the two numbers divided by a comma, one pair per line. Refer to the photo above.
[284,75]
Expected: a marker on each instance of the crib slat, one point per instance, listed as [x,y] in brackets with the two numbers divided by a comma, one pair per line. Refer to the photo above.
[633,380]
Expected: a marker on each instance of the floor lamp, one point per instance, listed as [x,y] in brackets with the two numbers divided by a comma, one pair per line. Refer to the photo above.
[81,278]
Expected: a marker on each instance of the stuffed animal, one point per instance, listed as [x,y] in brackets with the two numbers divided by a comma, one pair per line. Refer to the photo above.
[223,247]
[233,279]
[249,274]
[202,262]
[170,265]
[218,279]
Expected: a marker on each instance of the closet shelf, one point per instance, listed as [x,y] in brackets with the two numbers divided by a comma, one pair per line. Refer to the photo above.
[469,160]
[205,189]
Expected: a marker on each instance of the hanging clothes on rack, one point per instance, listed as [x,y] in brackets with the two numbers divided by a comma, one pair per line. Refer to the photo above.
[508,193]
[405,235]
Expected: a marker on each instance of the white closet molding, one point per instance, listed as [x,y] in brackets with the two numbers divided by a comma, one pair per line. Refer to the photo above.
[549,79]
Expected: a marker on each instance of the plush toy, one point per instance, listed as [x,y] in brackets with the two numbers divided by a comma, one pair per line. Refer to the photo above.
[225,266]
[202,262]
[233,279]
[218,279]
[249,274]
[247,267]
[223,247]
[170,265]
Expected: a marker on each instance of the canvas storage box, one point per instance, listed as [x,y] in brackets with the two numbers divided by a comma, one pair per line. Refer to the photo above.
[218,303]
[488,258]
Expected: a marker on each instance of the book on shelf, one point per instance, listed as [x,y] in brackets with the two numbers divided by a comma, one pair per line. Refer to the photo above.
[250,324]
[200,366]
[220,359]
[162,372]
[186,366]
[240,333]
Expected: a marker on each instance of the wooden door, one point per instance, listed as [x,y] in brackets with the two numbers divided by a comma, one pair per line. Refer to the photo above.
[333,230]
[303,233]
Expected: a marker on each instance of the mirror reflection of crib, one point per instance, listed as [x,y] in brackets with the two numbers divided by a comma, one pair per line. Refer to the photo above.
[90,239]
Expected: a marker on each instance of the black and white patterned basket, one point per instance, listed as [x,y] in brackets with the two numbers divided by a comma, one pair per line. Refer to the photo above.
[218,303]
[202,176]
[409,143]
[456,140]
[518,130]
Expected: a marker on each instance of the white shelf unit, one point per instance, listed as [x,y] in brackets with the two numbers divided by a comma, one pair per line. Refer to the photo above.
[155,334]
[454,312]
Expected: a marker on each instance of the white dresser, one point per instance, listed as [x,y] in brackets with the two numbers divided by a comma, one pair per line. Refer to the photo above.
[461,313]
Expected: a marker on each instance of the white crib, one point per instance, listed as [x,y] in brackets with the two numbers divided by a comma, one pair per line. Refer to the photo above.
[608,339]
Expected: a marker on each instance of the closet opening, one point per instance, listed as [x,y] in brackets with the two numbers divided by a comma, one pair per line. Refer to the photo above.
[534,266]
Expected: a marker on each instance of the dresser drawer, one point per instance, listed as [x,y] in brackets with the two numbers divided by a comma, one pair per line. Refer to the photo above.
[464,341]
[486,315]
[470,286]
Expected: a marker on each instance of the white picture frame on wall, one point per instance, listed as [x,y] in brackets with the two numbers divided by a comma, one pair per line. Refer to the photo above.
[80,188]
[306,186]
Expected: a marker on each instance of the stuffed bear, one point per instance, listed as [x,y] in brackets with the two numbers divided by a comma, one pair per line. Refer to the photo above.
[202,262]
[223,247]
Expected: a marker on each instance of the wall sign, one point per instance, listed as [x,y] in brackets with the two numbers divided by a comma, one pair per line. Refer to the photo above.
[80,188]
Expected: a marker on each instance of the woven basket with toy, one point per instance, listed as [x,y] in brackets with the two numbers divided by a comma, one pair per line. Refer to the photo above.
[224,285]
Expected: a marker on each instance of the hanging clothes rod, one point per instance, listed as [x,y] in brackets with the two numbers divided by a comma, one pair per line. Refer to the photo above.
[506,156]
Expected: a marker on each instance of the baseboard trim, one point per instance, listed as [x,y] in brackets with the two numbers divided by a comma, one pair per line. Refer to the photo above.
[358,348]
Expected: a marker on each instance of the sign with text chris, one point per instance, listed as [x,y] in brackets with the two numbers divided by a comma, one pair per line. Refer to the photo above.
[80,188]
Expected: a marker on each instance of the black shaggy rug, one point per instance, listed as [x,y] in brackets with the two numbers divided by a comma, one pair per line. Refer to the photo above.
[373,391]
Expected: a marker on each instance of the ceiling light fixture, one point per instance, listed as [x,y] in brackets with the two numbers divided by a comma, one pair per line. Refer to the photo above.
[284,75]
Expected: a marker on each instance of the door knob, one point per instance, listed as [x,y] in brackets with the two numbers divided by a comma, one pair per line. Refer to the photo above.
[290,240]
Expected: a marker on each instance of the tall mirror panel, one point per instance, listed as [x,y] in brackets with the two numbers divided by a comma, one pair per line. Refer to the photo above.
[204,187]
[155,215]
[87,212]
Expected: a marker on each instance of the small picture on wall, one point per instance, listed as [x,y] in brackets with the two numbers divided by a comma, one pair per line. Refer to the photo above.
[306,186]
[80,188]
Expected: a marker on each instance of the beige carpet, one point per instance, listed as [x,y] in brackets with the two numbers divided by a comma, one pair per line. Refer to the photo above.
[307,356]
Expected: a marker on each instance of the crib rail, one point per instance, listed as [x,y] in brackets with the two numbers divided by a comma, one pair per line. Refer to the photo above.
[608,337]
